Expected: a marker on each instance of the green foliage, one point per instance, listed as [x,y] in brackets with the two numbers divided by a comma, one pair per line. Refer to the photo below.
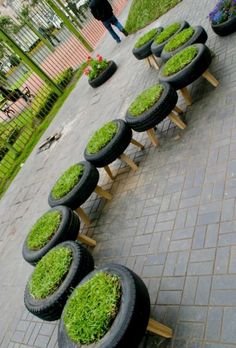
[42,106]
[167,33]
[14,60]
[143,12]
[92,307]
[43,230]
[179,40]
[146,100]
[25,11]
[31,132]
[102,137]
[67,181]
[7,24]
[65,77]
[145,38]
[180,60]
[50,272]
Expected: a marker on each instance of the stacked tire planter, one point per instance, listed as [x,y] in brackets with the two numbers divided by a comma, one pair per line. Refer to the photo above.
[68,230]
[114,148]
[130,322]
[157,48]
[81,191]
[145,50]
[225,28]
[104,76]
[50,308]
[199,36]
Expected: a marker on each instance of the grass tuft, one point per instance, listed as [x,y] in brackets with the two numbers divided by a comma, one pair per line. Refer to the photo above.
[145,38]
[180,60]
[91,309]
[146,100]
[102,137]
[167,33]
[67,181]
[43,230]
[50,272]
[144,12]
[179,40]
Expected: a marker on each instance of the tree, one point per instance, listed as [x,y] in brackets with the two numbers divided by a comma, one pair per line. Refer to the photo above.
[7,24]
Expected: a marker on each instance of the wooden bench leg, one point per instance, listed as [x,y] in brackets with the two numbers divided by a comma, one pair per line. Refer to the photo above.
[154,62]
[210,78]
[84,217]
[187,97]
[99,191]
[109,173]
[149,62]
[176,119]
[128,161]
[159,329]
[178,110]
[86,240]
[137,143]
[152,135]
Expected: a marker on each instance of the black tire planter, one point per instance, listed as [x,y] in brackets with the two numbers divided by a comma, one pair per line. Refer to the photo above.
[114,148]
[192,71]
[157,113]
[157,49]
[131,321]
[104,76]
[68,230]
[81,192]
[51,307]
[199,36]
[225,28]
[145,50]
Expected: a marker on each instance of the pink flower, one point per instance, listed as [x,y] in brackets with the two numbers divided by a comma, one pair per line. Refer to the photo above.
[100,59]
[89,59]
[86,71]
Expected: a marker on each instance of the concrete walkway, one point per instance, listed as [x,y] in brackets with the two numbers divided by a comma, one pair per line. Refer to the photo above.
[173,222]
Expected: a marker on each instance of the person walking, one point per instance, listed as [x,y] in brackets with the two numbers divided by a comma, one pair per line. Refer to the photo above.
[102,11]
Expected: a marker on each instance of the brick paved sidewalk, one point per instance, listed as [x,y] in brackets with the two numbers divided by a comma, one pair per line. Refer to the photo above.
[173,221]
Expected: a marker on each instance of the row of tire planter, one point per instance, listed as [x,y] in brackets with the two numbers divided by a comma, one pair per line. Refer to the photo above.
[199,36]
[51,308]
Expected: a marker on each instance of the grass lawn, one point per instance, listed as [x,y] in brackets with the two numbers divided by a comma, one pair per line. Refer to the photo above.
[143,12]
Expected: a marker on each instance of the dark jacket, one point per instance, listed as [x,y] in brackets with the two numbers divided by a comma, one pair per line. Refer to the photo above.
[101,9]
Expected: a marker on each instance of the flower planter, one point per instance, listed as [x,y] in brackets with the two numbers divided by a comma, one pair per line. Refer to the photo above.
[50,307]
[68,229]
[114,149]
[132,319]
[157,48]
[196,68]
[104,75]
[199,36]
[145,50]
[157,112]
[225,28]
[82,190]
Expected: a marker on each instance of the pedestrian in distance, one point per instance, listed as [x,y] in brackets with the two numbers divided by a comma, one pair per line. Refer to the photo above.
[102,11]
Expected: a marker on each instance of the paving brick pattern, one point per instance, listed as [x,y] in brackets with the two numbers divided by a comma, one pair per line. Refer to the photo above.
[173,221]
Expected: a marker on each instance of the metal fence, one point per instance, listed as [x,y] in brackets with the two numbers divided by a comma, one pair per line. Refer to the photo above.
[58,47]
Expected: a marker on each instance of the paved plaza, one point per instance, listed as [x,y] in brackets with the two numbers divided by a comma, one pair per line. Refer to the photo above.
[173,221]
